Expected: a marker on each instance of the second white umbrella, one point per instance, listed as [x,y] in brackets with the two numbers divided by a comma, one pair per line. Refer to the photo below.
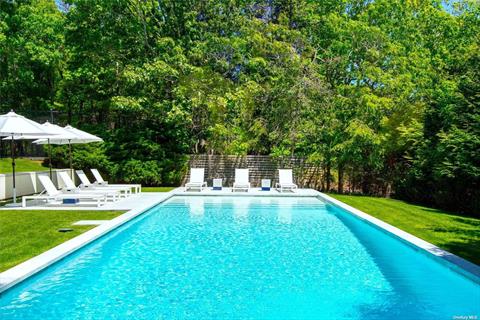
[56,132]
[76,136]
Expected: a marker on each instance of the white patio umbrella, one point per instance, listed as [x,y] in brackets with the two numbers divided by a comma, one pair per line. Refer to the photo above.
[56,132]
[11,125]
[76,136]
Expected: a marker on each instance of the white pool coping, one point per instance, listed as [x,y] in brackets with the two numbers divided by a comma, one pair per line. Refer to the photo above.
[134,200]
[454,262]
[20,272]
[125,204]
[253,192]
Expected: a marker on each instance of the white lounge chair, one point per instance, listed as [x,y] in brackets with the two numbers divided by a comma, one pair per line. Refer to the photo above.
[52,194]
[71,188]
[99,181]
[197,176]
[125,191]
[285,180]
[241,180]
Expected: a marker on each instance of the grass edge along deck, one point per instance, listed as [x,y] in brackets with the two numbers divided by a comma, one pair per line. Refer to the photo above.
[21,272]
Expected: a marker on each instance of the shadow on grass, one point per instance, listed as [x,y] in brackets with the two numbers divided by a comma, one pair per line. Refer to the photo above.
[469,249]
[420,206]
[470,221]
[423,207]
[466,243]
[444,212]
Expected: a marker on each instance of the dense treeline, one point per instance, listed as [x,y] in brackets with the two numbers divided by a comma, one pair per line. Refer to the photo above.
[382,94]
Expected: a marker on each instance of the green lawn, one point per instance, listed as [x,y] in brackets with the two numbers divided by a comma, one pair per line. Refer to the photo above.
[157,189]
[27,233]
[21,165]
[454,233]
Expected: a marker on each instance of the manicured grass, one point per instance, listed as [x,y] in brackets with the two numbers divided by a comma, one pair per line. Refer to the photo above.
[157,189]
[21,165]
[455,233]
[27,233]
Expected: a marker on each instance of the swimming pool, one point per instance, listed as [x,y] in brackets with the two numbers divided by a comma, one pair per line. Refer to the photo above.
[244,257]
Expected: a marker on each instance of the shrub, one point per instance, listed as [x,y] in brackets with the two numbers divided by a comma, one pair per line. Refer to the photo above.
[147,173]
[174,170]
[84,157]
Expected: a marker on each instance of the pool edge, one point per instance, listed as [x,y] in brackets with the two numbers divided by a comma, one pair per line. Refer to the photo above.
[32,266]
[28,268]
[457,264]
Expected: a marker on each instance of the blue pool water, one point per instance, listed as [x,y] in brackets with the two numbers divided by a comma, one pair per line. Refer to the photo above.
[244,258]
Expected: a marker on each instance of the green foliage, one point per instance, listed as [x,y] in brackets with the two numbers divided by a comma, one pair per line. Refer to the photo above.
[90,156]
[31,54]
[145,172]
[384,92]
[446,164]
[84,157]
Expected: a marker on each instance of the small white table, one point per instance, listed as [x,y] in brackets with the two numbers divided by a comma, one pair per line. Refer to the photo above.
[266,184]
[217,184]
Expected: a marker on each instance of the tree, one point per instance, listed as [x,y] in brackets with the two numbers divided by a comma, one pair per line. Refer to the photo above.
[31,55]
[381,95]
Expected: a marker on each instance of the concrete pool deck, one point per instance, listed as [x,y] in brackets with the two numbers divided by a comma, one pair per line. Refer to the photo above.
[152,198]
[138,204]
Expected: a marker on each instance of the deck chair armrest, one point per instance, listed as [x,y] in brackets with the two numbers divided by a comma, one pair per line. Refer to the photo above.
[195,183]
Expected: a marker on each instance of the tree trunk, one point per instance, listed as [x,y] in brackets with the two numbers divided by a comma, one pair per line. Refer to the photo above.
[340,178]
[353,182]
[322,181]
[366,182]
[328,176]
[69,111]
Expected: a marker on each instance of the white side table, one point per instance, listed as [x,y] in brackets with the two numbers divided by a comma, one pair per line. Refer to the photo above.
[266,184]
[217,184]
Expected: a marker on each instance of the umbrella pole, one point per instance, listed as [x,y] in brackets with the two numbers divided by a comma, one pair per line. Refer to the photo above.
[71,166]
[50,157]
[13,172]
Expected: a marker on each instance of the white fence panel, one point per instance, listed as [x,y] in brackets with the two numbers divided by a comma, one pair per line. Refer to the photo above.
[26,182]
